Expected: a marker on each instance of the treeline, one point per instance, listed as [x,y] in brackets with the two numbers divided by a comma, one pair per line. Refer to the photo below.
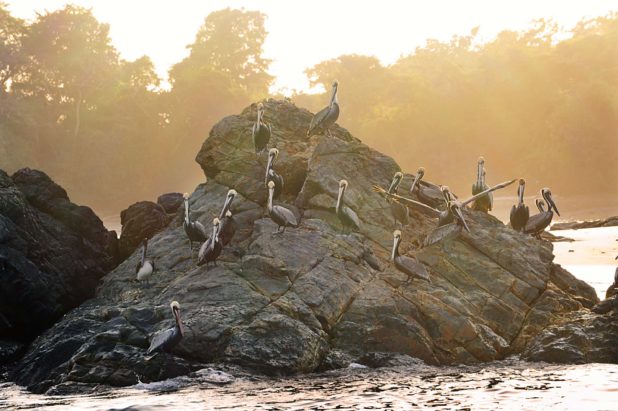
[532,104]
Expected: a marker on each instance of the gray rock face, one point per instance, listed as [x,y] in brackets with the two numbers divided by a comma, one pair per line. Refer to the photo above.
[141,220]
[311,298]
[170,202]
[52,254]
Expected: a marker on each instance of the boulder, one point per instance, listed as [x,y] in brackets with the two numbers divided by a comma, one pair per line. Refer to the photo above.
[311,298]
[170,202]
[141,220]
[52,255]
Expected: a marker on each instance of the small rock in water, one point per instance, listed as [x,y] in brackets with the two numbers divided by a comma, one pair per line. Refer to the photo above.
[214,376]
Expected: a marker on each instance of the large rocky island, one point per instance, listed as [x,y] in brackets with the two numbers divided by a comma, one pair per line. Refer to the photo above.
[314,298]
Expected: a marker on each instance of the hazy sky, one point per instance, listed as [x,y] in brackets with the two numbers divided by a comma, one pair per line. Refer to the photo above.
[303,33]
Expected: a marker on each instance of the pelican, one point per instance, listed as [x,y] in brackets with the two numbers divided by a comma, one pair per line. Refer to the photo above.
[425,192]
[454,207]
[194,229]
[520,212]
[400,211]
[407,265]
[271,175]
[261,131]
[346,215]
[168,339]
[227,228]
[279,214]
[538,222]
[326,117]
[144,267]
[483,203]
[211,249]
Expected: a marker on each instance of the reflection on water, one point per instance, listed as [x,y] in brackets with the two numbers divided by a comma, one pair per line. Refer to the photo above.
[508,385]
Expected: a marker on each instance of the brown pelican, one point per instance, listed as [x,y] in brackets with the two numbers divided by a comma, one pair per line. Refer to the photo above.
[520,212]
[483,203]
[407,265]
[227,227]
[261,131]
[144,268]
[453,211]
[280,215]
[271,175]
[211,249]
[194,229]
[538,222]
[326,117]
[400,211]
[427,193]
[168,339]
[346,215]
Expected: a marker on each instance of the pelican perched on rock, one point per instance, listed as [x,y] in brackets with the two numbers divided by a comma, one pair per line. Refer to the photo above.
[168,339]
[346,215]
[227,204]
[407,265]
[326,117]
[537,223]
[271,174]
[520,212]
[144,268]
[279,214]
[261,131]
[400,212]
[211,249]
[426,193]
[484,202]
[194,229]
[227,228]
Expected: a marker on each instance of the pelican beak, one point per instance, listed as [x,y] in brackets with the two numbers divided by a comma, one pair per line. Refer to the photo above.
[415,182]
[551,204]
[457,211]
[226,205]
[393,185]
[395,242]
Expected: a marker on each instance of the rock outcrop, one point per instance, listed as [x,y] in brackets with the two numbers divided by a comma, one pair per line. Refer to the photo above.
[310,298]
[52,255]
[170,202]
[576,225]
[141,220]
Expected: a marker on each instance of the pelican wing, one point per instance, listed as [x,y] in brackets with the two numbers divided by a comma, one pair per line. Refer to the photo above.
[204,249]
[352,215]
[407,201]
[489,190]
[414,268]
[318,118]
[200,227]
[440,233]
[160,339]
[286,215]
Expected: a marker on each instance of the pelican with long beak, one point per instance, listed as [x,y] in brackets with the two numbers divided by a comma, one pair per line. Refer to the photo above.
[166,340]
[271,174]
[211,249]
[144,268]
[194,229]
[539,222]
[346,215]
[407,265]
[279,214]
[261,131]
[400,212]
[227,227]
[426,193]
[520,212]
[325,118]
[483,203]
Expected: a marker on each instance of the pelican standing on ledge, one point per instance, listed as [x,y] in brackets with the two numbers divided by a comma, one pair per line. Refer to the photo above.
[166,340]
[261,131]
[271,175]
[211,249]
[539,222]
[194,229]
[144,268]
[520,212]
[426,193]
[227,227]
[326,117]
[407,265]
[346,215]
[279,214]
[400,212]
[483,203]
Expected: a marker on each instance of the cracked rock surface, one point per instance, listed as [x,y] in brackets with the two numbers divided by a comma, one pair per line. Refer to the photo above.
[311,298]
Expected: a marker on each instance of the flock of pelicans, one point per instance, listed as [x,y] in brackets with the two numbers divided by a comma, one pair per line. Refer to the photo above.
[435,201]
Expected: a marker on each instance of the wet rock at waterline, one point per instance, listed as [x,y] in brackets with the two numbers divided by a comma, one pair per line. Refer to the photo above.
[52,255]
[311,298]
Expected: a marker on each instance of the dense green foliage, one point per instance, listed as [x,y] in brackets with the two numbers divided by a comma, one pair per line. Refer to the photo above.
[533,104]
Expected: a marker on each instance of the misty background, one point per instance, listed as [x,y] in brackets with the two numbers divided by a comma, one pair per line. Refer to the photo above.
[535,103]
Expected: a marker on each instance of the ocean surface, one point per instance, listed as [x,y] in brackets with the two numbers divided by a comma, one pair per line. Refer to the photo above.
[506,385]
